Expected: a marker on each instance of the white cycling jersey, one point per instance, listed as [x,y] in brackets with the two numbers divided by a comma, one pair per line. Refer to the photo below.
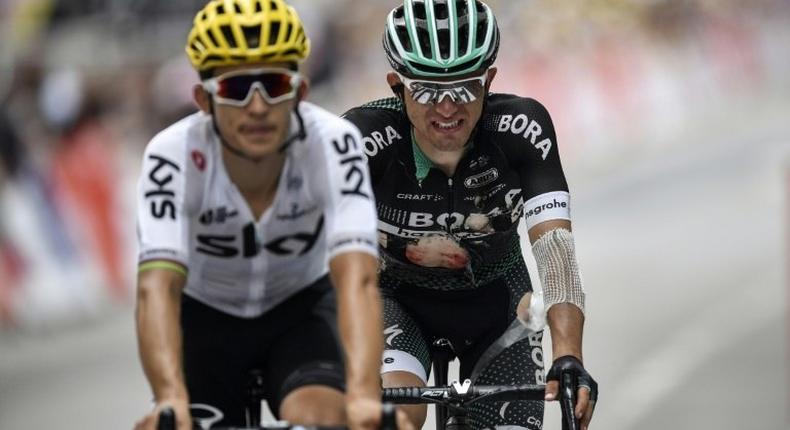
[190,212]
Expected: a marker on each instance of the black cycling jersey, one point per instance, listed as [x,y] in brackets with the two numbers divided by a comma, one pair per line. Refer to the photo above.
[460,231]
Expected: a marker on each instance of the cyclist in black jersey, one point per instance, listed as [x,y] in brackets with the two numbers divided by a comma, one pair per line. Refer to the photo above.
[257,235]
[454,169]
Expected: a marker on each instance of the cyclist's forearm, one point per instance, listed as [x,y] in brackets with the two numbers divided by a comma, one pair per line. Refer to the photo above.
[159,338]
[360,328]
[556,262]
[359,317]
[566,323]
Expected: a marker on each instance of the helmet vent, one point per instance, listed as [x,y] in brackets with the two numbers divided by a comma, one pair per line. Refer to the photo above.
[227,34]
[460,8]
[221,9]
[274,32]
[258,6]
[237,8]
[272,5]
[463,40]
[288,30]
[441,11]
[403,36]
[210,58]
[481,35]
[444,42]
[213,39]
[419,11]
[425,41]
[252,34]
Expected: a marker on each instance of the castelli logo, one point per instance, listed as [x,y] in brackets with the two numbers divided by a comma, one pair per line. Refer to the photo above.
[199,159]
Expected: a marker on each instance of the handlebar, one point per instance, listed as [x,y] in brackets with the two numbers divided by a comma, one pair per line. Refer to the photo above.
[457,393]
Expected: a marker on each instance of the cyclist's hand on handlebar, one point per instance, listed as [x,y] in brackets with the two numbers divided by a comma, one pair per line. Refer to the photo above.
[585,386]
[366,414]
[181,408]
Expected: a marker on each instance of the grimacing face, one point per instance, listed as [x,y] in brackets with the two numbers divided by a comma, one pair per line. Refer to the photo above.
[257,129]
[446,126]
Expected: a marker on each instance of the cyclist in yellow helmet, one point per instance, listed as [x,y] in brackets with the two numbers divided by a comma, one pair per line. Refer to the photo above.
[257,238]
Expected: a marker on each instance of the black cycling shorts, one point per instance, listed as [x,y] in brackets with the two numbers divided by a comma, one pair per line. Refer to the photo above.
[492,346]
[293,345]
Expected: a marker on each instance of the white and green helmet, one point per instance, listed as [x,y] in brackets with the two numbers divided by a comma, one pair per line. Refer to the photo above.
[441,38]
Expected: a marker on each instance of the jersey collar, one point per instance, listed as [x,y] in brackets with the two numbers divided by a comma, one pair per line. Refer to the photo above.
[423,164]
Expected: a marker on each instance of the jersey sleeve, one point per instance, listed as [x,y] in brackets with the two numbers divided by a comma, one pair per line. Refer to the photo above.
[529,139]
[344,181]
[380,123]
[162,227]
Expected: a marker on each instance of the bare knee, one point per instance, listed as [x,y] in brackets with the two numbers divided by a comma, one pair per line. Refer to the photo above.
[416,413]
[315,405]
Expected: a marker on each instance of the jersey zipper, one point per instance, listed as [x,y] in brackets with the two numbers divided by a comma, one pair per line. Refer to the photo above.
[450,205]
[450,211]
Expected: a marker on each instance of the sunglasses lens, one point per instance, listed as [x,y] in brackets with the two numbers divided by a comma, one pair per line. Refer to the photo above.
[423,95]
[237,88]
[277,84]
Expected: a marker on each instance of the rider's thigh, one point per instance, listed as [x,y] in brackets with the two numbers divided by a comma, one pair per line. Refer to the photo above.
[401,379]
[215,377]
[317,405]
[519,363]
[307,351]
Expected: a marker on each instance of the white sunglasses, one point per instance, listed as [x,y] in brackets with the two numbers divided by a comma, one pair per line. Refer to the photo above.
[236,88]
[461,91]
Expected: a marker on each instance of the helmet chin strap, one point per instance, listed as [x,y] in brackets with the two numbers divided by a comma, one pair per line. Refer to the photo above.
[300,134]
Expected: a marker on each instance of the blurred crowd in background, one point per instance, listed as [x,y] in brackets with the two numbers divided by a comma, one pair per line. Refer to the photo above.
[85,84]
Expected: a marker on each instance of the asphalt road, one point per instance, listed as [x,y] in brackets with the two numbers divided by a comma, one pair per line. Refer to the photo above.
[683,254]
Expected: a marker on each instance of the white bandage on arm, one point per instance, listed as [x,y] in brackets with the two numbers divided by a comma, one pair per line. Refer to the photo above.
[558,269]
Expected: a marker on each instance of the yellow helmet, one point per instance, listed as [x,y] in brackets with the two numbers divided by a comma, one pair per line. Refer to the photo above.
[236,32]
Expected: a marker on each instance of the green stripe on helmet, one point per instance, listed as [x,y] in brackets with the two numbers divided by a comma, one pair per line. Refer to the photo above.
[470,5]
[411,26]
[433,34]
